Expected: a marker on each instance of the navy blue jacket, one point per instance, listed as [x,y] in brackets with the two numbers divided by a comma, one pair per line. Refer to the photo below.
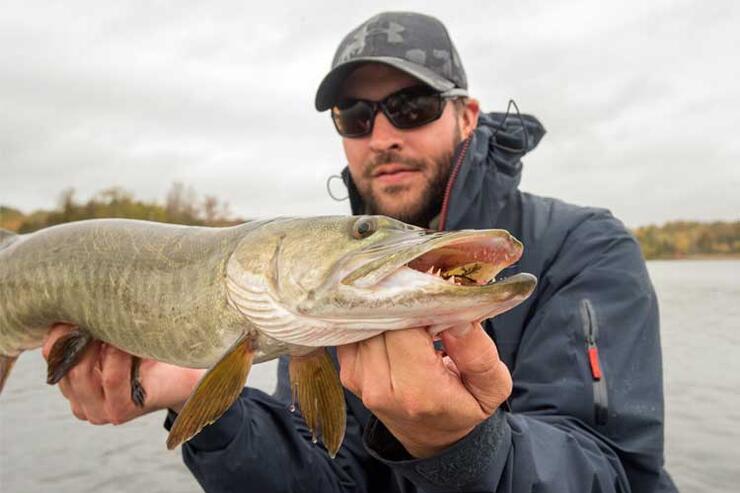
[586,412]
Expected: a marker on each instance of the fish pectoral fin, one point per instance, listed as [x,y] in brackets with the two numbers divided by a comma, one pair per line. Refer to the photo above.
[65,353]
[214,394]
[6,364]
[316,385]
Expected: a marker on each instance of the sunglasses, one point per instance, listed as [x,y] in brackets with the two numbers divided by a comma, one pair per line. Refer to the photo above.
[408,108]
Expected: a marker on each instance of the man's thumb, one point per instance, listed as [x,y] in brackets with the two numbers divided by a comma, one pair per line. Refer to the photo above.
[482,372]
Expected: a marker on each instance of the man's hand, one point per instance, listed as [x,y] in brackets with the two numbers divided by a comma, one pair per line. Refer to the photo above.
[427,401]
[99,390]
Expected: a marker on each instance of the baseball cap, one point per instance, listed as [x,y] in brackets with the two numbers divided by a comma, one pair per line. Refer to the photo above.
[416,44]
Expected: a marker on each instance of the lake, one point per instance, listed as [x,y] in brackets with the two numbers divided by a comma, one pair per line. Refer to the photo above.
[44,448]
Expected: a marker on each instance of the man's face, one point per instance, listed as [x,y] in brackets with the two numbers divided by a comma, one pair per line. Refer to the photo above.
[401,173]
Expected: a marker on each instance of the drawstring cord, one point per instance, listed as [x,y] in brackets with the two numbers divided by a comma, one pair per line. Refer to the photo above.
[521,121]
[328,188]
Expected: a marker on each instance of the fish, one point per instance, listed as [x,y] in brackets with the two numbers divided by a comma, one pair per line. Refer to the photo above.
[225,298]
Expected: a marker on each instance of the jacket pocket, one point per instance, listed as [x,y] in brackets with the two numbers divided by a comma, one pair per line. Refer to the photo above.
[591,332]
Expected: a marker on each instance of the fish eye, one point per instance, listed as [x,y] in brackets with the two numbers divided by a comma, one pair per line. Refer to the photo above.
[363,228]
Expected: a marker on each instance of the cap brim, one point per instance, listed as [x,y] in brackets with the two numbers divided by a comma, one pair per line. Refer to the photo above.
[329,88]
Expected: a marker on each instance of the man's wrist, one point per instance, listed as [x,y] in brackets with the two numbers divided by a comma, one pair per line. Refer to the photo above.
[182,385]
[429,448]
[480,453]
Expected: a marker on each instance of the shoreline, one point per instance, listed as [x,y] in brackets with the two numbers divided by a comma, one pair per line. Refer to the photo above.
[728,256]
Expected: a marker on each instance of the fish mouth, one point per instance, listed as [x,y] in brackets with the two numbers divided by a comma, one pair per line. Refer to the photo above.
[451,261]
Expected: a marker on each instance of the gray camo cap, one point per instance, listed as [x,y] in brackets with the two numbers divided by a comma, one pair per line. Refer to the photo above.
[413,43]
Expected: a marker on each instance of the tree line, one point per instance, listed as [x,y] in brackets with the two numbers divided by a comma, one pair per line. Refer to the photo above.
[677,239]
[683,239]
[181,206]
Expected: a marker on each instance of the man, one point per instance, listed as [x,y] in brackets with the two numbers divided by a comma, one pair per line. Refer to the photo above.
[579,362]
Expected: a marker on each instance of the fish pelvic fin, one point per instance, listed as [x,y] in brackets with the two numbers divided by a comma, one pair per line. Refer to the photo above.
[215,393]
[65,353]
[316,386]
[138,394]
[6,364]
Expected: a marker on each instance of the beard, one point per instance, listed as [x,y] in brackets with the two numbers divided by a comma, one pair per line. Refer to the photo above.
[429,204]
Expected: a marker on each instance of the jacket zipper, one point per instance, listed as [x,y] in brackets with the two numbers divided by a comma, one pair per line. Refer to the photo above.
[450,182]
[591,331]
[443,215]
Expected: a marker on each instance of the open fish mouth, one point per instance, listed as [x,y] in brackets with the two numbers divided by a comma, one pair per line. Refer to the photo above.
[461,259]
[469,261]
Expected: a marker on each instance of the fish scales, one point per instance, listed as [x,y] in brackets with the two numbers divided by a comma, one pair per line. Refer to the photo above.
[153,290]
[224,298]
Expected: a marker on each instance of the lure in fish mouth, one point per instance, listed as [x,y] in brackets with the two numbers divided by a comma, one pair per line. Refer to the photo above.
[370,274]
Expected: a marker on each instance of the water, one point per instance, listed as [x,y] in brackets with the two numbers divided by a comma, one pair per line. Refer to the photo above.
[700,311]
[43,448]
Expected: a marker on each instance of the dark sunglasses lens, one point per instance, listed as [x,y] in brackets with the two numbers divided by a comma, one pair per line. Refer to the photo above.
[353,118]
[413,110]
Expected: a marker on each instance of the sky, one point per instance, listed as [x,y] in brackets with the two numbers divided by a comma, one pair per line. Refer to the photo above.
[640,99]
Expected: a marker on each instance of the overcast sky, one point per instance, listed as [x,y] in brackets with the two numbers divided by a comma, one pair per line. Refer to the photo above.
[641,100]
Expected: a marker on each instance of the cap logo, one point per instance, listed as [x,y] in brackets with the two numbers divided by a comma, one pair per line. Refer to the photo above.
[357,46]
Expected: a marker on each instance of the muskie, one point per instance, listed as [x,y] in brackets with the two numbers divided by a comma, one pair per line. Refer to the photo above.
[224,298]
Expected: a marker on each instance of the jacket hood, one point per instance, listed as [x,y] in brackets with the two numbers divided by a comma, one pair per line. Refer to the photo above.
[490,170]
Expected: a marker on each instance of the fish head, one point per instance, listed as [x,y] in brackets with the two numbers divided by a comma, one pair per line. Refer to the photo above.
[333,280]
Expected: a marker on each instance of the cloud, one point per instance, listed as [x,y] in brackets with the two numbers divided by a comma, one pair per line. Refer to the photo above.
[638,100]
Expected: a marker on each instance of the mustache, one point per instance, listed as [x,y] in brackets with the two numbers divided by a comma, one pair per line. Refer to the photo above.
[391,157]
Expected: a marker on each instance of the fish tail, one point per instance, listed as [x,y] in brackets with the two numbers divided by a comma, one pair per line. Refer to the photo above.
[7,238]
[6,364]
